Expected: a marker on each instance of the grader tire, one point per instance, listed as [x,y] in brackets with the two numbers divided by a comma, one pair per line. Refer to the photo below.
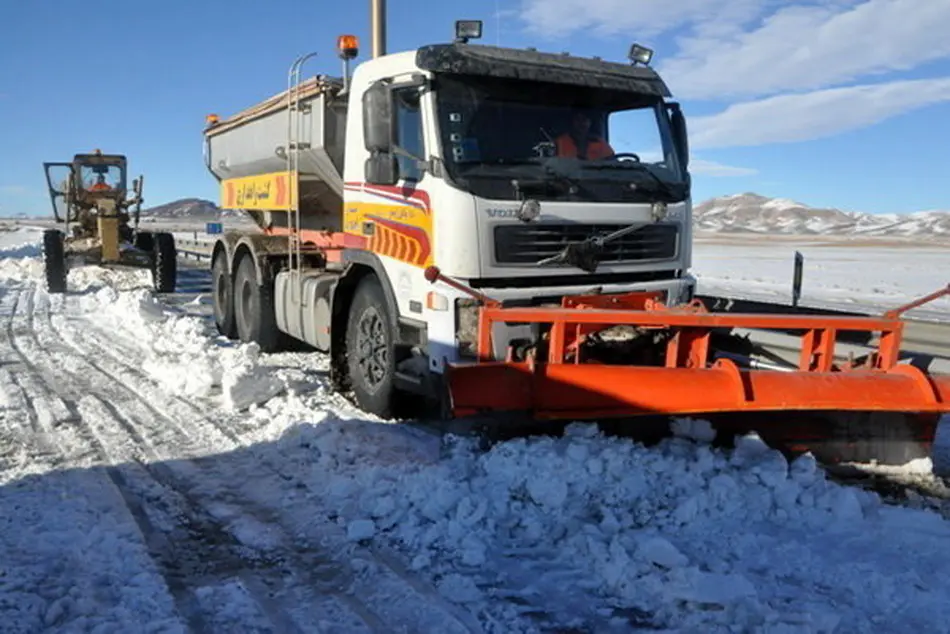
[54,259]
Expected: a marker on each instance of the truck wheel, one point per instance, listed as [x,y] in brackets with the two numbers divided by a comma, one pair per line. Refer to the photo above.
[165,263]
[370,350]
[54,259]
[254,308]
[222,291]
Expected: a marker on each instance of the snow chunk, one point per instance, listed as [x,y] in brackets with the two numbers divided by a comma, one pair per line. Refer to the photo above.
[358,530]
[661,552]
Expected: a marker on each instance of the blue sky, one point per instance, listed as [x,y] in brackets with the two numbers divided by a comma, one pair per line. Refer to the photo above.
[829,102]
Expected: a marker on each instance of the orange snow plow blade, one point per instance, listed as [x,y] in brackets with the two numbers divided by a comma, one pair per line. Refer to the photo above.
[683,365]
[568,391]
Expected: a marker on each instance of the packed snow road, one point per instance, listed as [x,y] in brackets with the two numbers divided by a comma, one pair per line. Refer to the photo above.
[156,479]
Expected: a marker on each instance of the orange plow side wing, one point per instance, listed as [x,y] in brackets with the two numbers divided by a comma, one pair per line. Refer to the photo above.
[565,391]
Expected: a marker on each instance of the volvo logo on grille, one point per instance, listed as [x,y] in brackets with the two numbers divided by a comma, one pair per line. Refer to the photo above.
[497,212]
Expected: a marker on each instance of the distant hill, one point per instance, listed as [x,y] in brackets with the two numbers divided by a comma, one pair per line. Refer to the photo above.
[752,213]
[191,209]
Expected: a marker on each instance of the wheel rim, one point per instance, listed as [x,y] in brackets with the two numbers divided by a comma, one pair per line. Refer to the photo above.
[372,351]
[246,300]
[221,296]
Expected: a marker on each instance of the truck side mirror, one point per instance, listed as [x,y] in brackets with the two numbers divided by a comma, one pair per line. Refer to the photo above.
[680,136]
[378,118]
[381,168]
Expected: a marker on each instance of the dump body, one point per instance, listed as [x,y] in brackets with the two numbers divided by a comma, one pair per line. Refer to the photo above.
[252,146]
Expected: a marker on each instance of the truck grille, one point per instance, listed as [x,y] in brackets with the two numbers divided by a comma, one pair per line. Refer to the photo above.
[526,244]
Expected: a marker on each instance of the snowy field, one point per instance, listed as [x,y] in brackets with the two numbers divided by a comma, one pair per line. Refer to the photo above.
[156,479]
[839,272]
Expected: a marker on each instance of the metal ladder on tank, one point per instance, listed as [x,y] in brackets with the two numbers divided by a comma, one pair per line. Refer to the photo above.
[294,146]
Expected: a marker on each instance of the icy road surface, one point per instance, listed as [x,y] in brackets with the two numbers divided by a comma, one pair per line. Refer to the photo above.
[137,495]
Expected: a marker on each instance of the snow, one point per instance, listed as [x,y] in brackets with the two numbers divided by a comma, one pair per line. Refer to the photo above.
[835,274]
[181,355]
[154,477]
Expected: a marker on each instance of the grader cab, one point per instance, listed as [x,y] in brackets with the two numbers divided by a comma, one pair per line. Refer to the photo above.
[100,221]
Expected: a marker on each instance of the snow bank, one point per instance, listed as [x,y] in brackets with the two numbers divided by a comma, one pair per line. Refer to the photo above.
[21,260]
[696,538]
[180,351]
[21,254]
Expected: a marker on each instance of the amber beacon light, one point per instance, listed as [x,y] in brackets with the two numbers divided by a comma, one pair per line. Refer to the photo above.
[348,46]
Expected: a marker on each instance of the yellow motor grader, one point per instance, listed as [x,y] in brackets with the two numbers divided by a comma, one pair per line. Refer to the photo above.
[100,222]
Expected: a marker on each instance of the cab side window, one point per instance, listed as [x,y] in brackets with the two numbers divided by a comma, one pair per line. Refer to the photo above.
[408,117]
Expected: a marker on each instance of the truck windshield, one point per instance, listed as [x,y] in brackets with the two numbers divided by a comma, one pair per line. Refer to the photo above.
[501,138]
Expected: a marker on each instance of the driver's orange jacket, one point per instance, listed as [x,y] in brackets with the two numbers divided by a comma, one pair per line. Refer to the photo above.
[597,148]
[98,187]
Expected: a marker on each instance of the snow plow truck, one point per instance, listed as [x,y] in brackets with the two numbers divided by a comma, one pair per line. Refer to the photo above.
[497,232]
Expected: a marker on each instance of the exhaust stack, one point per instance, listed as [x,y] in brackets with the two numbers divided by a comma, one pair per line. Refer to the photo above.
[378,27]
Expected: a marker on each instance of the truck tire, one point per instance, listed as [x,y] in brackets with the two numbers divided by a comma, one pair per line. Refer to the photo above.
[222,292]
[164,263]
[144,241]
[54,259]
[254,316]
[370,350]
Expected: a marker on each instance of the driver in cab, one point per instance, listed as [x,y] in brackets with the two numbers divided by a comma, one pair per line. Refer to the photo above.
[578,142]
[100,184]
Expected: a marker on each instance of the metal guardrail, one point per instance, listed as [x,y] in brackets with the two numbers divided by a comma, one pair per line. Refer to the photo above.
[930,338]
[197,249]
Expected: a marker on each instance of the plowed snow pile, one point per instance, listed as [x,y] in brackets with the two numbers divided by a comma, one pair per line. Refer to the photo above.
[180,352]
[690,537]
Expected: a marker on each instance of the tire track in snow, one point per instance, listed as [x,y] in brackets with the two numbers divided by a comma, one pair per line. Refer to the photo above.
[380,555]
[391,581]
[51,432]
[545,606]
[152,502]
[316,567]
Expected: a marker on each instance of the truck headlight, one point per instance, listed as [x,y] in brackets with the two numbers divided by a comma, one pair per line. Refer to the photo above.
[530,210]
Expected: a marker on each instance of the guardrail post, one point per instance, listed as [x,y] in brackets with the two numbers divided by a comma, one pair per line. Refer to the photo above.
[797,278]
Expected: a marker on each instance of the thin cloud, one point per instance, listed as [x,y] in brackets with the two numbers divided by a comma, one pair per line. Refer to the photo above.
[815,115]
[757,48]
[645,18]
[718,170]
[811,47]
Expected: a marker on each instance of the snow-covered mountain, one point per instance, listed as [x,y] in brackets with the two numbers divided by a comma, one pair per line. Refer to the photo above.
[752,213]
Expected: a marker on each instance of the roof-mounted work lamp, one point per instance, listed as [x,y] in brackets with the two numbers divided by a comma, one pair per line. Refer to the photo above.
[640,54]
[466,30]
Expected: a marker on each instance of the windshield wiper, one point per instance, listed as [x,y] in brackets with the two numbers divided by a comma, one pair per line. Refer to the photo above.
[586,254]
[663,185]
